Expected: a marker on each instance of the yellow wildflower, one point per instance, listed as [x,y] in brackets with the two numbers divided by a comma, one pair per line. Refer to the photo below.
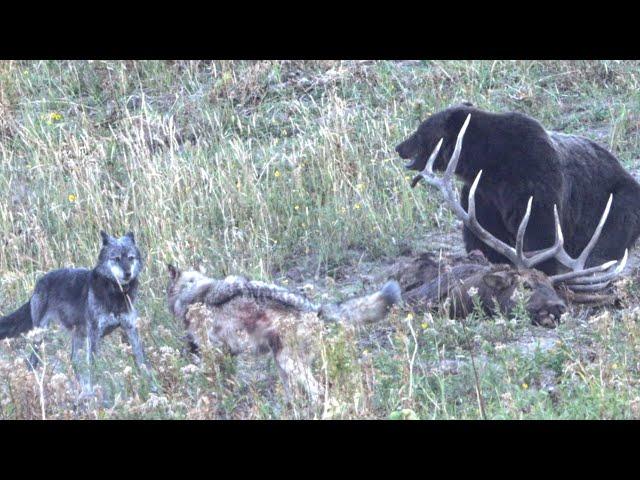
[72,198]
[277,173]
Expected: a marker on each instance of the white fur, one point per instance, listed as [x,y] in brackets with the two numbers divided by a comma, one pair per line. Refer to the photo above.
[117,272]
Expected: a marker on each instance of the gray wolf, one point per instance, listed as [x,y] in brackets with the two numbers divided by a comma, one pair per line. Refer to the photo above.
[520,159]
[249,315]
[89,303]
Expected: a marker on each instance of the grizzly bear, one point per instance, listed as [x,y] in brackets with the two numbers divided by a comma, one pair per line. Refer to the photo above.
[519,159]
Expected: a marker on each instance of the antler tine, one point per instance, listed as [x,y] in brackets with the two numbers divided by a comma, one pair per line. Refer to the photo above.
[589,288]
[522,229]
[544,254]
[590,279]
[472,223]
[453,162]
[563,277]
[596,235]
[598,282]
[433,156]
[428,169]
[578,263]
[589,276]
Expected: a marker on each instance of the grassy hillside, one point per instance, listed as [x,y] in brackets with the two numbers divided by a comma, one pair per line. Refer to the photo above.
[286,171]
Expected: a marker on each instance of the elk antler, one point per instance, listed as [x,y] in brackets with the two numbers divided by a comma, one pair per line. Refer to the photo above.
[578,279]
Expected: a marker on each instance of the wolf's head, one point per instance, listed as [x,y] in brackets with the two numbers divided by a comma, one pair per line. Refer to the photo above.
[182,287]
[119,258]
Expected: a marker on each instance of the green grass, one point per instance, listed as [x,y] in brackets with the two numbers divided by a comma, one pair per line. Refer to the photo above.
[256,167]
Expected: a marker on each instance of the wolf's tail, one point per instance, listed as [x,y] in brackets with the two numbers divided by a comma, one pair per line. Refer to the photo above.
[281,295]
[368,309]
[17,322]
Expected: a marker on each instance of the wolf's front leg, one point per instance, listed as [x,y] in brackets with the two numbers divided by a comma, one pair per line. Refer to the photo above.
[81,359]
[138,353]
[136,345]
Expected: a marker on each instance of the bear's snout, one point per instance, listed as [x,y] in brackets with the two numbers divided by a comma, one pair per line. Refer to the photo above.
[402,150]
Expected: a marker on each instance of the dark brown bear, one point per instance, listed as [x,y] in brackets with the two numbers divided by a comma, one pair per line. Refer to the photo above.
[519,159]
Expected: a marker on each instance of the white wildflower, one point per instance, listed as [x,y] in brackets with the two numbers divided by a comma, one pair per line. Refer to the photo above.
[189,370]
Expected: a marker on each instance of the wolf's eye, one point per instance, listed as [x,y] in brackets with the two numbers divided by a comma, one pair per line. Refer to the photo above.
[131,258]
[117,259]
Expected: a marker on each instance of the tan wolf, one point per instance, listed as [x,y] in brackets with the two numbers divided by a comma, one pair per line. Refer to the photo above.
[241,315]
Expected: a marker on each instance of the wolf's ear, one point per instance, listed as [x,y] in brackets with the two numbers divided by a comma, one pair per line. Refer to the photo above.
[105,237]
[173,271]
[467,104]
[130,236]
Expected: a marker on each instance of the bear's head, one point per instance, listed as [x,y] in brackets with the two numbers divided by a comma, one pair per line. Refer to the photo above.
[445,124]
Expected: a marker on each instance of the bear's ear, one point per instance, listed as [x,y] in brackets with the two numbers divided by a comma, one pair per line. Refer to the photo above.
[106,238]
[173,271]
[130,236]
[498,280]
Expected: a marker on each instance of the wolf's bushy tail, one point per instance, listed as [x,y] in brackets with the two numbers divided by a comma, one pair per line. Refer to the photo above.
[281,295]
[368,309]
[222,291]
[17,322]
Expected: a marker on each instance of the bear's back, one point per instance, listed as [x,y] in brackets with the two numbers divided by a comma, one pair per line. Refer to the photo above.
[586,161]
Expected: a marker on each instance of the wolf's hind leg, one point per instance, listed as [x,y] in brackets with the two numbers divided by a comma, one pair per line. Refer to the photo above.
[40,320]
[294,372]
